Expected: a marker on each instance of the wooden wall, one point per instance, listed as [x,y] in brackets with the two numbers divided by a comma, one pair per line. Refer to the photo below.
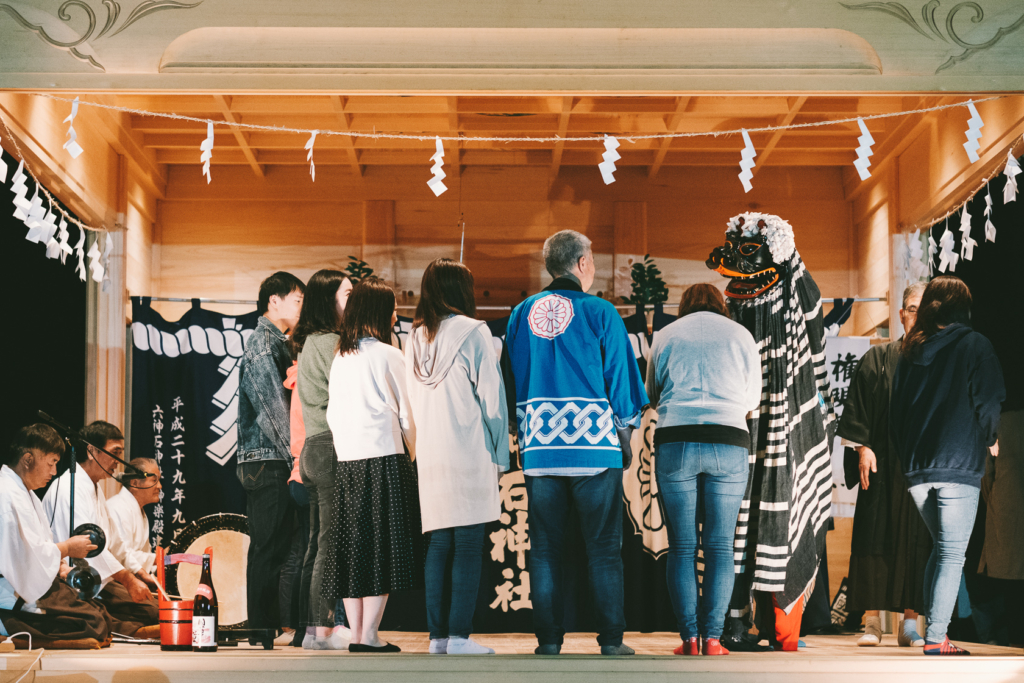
[220,240]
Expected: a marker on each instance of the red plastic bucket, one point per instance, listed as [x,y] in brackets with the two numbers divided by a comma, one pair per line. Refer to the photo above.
[176,625]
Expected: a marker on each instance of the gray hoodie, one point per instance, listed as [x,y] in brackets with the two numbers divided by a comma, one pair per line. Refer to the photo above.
[457,399]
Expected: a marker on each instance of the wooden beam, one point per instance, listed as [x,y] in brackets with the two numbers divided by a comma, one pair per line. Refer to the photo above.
[348,142]
[225,108]
[794,109]
[563,127]
[894,145]
[673,126]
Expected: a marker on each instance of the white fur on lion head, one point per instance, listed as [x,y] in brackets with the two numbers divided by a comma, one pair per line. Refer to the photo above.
[778,234]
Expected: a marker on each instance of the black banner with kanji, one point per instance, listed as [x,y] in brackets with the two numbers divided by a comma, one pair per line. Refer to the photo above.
[185,409]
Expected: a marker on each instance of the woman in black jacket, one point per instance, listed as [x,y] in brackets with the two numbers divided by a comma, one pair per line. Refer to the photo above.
[944,416]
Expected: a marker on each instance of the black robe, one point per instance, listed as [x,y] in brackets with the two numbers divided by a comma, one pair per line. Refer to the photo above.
[890,541]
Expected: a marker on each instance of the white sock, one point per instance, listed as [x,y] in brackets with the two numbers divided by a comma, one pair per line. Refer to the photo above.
[340,639]
[438,646]
[465,646]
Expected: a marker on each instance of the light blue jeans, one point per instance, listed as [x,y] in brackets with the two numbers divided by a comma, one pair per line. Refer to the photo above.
[701,484]
[948,510]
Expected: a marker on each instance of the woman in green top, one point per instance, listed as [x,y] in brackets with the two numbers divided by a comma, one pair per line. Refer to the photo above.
[314,341]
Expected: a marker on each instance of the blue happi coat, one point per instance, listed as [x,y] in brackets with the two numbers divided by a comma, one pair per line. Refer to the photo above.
[574,374]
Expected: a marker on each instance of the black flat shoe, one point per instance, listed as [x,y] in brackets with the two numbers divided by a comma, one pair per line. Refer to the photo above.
[383,649]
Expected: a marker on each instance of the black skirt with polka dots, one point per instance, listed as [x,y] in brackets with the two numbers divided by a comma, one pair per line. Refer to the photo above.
[378,537]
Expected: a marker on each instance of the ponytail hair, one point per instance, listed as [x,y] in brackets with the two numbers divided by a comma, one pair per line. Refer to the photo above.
[946,300]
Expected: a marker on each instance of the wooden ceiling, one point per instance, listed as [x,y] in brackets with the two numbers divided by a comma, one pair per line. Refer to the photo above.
[177,142]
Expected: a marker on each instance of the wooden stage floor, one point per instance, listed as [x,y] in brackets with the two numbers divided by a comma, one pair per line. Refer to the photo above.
[827,658]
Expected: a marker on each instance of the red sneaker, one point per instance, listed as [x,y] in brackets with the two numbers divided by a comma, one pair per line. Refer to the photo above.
[690,646]
[944,648]
[713,647]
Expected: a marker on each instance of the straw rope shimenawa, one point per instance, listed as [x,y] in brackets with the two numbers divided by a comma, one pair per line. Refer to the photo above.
[374,135]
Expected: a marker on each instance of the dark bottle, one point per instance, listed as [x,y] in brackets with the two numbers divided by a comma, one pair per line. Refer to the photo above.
[204,613]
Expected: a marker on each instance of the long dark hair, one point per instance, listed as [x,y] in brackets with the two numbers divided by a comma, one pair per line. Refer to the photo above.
[319,308]
[946,300]
[447,288]
[367,314]
[702,297]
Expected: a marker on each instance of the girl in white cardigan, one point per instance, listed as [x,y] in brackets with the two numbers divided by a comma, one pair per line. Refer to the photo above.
[458,403]
[376,528]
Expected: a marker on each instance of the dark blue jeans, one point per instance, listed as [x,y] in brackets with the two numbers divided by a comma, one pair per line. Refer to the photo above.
[453,580]
[269,508]
[701,483]
[598,500]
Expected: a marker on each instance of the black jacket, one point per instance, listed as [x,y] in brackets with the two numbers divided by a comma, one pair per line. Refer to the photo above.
[944,410]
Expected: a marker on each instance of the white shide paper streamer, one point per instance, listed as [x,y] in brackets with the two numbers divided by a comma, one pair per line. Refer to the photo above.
[72,146]
[207,151]
[990,228]
[947,256]
[95,262]
[80,253]
[309,154]
[967,244]
[747,162]
[1011,172]
[436,183]
[864,151]
[974,126]
[610,156]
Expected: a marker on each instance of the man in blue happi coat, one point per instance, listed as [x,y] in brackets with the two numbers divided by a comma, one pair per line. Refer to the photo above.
[577,383]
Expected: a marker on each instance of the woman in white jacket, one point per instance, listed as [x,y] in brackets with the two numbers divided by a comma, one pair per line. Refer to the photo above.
[458,404]
[377,515]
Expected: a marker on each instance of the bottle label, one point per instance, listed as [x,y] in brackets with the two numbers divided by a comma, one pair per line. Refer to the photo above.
[204,631]
[205,591]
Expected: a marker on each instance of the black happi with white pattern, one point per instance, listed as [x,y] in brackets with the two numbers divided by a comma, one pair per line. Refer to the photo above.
[788,501]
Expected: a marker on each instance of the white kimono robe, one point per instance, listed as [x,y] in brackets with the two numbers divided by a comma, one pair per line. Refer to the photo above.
[133,527]
[90,506]
[29,559]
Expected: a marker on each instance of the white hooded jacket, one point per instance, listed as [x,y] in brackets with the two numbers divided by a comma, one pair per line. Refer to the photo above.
[458,404]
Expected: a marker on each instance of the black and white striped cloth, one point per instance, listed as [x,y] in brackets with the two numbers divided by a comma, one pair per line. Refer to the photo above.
[780,534]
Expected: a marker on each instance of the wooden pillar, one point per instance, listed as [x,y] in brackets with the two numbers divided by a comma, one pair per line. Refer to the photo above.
[630,243]
[106,306]
[379,238]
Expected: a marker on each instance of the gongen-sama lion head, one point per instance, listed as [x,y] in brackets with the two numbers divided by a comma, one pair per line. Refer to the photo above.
[756,253]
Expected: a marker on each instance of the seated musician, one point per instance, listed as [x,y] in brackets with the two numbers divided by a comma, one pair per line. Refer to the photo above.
[127,513]
[33,598]
[126,586]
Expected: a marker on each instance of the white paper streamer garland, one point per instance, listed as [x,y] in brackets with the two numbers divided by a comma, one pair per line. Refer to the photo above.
[747,162]
[20,189]
[864,151]
[436,183]
[72,147]
[108,246]
[309,154]
[610,156]
[207,151]
[1011,171]
[974,126]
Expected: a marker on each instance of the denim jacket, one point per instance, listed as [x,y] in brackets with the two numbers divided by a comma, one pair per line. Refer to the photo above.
[263,402]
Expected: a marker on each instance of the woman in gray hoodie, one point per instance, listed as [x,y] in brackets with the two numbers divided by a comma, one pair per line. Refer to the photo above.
[457,399]
[704,376]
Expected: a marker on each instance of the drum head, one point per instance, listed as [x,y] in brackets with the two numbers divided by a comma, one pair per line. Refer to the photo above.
[227,535]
